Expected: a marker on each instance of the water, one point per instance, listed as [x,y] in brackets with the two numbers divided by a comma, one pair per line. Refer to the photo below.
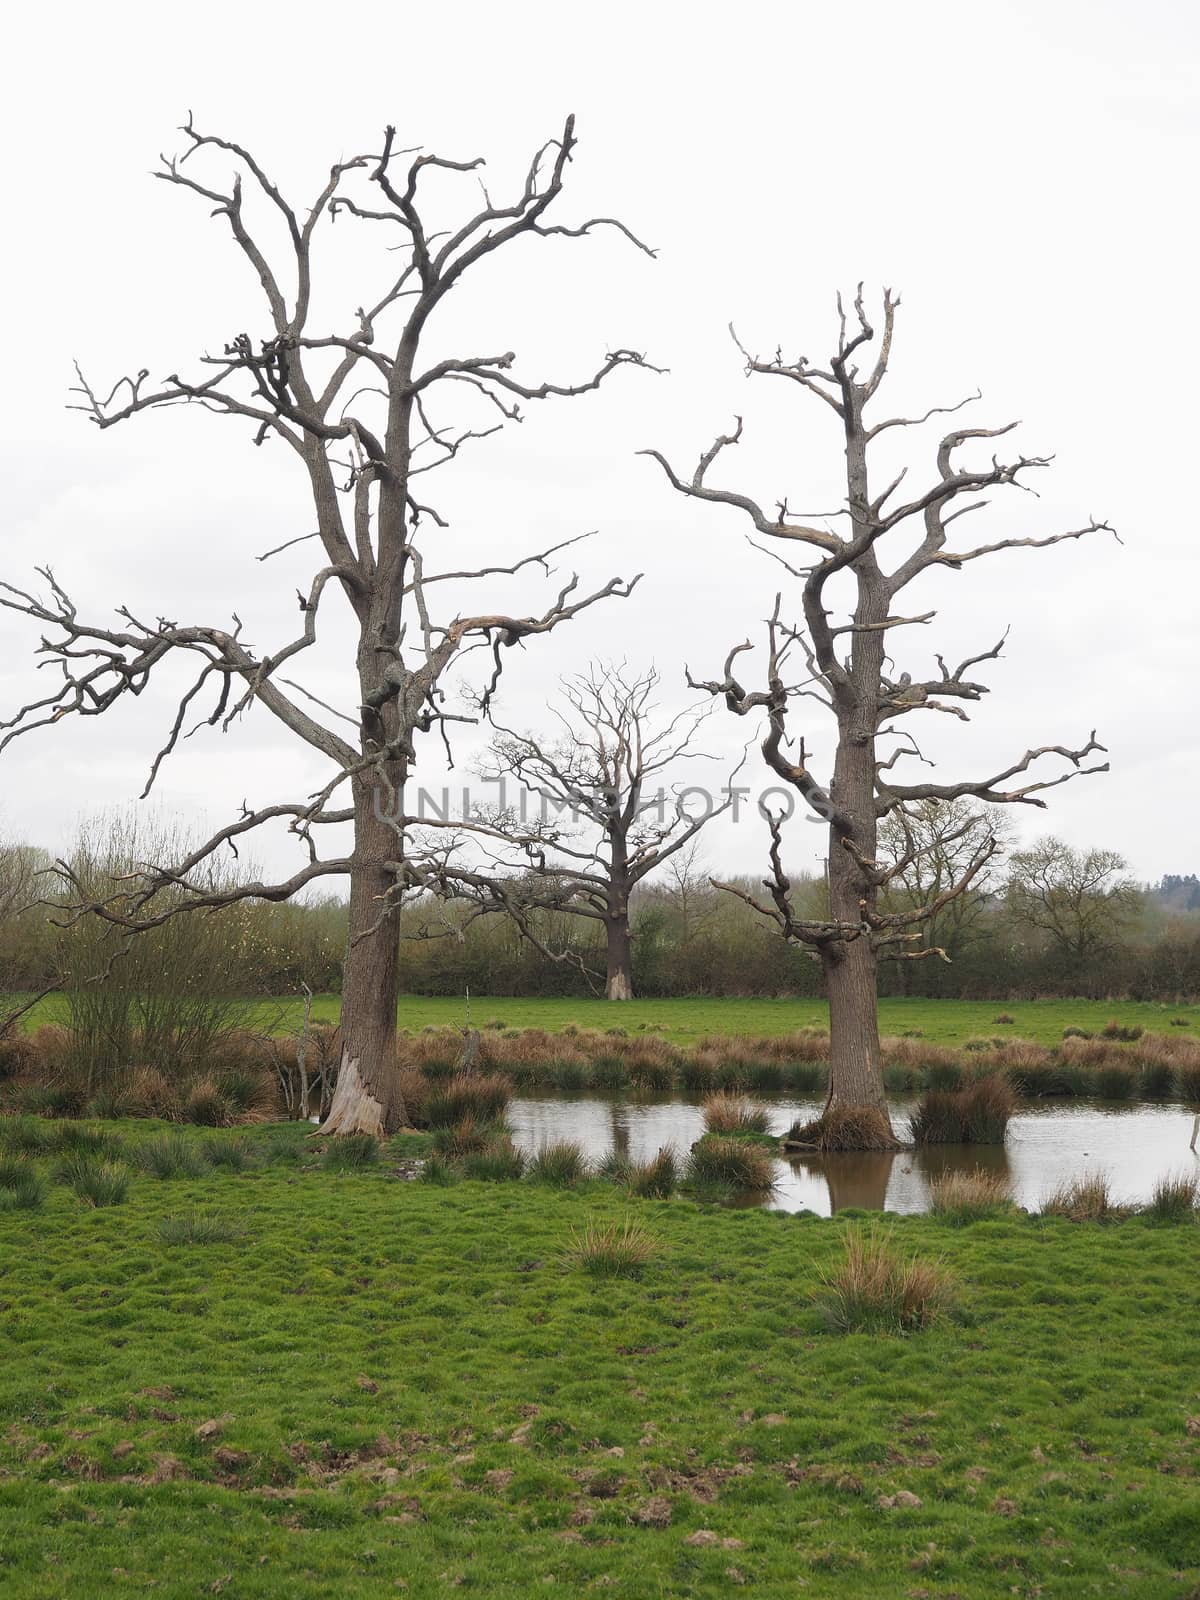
[1047,1145]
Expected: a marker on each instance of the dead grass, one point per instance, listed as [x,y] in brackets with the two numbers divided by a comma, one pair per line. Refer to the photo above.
[962,1197]
[730,1114]
[612,1249]
[1085,1199]
[842,1128]
[877,1290]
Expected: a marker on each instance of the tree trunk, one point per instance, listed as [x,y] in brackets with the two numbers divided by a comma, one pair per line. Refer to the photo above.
[620,958]
[367,1096]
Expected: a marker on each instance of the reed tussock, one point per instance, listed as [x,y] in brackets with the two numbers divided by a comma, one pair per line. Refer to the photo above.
[963,1197]
[730,1114]
[877,1290]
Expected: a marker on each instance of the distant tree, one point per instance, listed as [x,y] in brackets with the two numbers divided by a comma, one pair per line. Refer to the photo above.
[932,844]
[848,667]
[1079,899]
[610,818]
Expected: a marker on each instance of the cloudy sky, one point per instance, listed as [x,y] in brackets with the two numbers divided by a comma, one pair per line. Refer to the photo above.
[1023,174]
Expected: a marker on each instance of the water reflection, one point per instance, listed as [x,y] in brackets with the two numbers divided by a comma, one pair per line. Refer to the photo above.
[1133,1145]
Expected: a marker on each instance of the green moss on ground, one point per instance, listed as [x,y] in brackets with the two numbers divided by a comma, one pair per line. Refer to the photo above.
[384,1386]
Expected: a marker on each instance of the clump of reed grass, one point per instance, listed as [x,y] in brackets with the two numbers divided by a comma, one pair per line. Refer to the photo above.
[1175,1198]
[978,1114]
[842,1128]
[716,1163]
[110,1104]
[26,1135]
[876,1290]
[962,1197]
[200,1227]
[1084,1199]
[350,1152]
[467,1094]
[560,1164]
[1003,1019]
[1116,1080]
[22,1187]
[656,1179]
[612,1249]
[438,1171]
[171,1155]
[730,1115]
[467,1137]
[100,1183]
[229,1154]
[498,1162]
[1115,1029]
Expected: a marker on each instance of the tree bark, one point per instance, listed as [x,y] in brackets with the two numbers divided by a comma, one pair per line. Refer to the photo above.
[367,1096]
[619,985]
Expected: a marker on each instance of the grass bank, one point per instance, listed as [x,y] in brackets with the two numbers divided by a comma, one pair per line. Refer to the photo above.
[362,1386]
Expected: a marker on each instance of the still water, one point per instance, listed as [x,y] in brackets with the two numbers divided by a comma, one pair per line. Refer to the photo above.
[1132,1145]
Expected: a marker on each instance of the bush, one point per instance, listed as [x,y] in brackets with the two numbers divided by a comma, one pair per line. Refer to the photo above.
[347,1152]
[561,1164]
[467,1094]
[100,1183]
[498,1162]
[697,1074]
[978,1114]
[615,1167]
[729,1114]
[962,1197]
[21,1186]
[612,1249]
[171,1155]
[200,1227]
[875,1290]
[730,1163]
[656,1179]
[1085,1199]
[1175,1198]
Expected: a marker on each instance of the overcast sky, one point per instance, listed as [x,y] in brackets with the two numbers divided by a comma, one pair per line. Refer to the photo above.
[1024,174]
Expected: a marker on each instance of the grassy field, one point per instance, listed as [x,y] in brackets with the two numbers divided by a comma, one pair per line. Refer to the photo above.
[384,1387]
[941,1021]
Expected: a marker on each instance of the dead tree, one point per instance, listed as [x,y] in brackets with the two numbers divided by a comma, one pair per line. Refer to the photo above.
[365,412]
[847,666]
[604,820]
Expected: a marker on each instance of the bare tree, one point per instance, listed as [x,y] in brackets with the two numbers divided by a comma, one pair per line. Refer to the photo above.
[363,410]
[1079,899]
[605,772]
[845,666]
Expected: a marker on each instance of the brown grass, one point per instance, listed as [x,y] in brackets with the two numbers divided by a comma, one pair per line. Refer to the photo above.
[968,1196]
[1085,1199]
[877,1290]
[729,1113]
[843,1128]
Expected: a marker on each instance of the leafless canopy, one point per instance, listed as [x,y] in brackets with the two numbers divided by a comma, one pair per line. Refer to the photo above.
[368,418]
[885,541]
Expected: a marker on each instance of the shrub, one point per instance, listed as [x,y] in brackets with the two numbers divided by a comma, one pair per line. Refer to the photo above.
[245,1090]
[655,1179]
[875,1290]
[899,1079]
[730,1163]
[467,1094]
[64,1099]
[100,1183]
[978,1114]
[560,1164]
[612,1249]
[1003,1019]
[171,1155]
[961,1197]
[1175,1198]
[17,1054]
[231,1155]
[1085,1199]
[347,1152]
[200,1227]
[282,1149]
[21,1186]
[498,1162]
[729,1114]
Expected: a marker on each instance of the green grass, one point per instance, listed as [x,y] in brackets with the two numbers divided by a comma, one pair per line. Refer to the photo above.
[940,1021]
[397,1381]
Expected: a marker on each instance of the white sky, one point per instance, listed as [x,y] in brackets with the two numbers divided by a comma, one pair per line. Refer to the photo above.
[1024,173]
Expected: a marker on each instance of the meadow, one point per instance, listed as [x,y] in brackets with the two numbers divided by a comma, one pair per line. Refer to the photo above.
[686,1020]
[293,1379]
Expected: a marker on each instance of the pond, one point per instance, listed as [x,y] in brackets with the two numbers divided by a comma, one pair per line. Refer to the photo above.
[1047,1145]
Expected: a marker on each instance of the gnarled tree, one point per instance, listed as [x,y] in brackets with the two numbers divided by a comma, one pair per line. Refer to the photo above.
[882,544]
[363,409]
[605,818]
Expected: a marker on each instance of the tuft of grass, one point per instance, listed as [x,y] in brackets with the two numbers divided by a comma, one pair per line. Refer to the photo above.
[200,1227]
[656,1179]
[1176,1198]
[109,1105]
[437,1170]
[100,1183]
[612,1249]
[1003,1019]
[467,1094]
[1077,1033]
[171,1155]
[75,1139]
[229,1154]
[1116,1080]
[1114,1028]
[877,1290]
[498,1162]
[22,1187]
[27,1136]
[206,1106]
[842,1128]
[962,1197]
[466,1138]
[730,1163]
[348,1152]
[978,1114]
[1085,1199]
[561,1164]
[730,1115]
